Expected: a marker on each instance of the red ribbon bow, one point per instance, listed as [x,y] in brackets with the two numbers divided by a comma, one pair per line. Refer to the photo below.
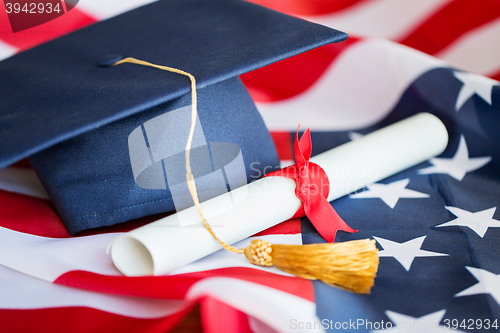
[312,189]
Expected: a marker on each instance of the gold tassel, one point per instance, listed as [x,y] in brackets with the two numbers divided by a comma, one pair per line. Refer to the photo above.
[349,265]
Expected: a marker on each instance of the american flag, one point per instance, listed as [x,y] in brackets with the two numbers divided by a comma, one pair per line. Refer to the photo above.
[435,224]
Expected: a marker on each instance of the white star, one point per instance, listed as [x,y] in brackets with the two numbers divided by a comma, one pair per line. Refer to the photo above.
[473,84]
[489,283]
[389,193]
[405,252]
[478,221]
[427,323]
[354,135]
[458,165]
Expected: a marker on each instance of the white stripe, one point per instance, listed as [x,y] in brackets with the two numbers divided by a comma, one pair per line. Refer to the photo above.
[257,326]
[6,50]
[223,258]
[105,9]
[277,309]
[21,291]
[22,180]
[359,89]
[285,163]
[48,258]
[391,19]
[476,51]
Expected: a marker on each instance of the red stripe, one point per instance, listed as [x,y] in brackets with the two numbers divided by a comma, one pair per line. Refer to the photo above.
[73,20]
[453,20]
[82,319]
[294,75]
[30,215]
[307,7]
[37,216]
[283,143]
[495,76]
[290,227]
[179,285]
[219,317]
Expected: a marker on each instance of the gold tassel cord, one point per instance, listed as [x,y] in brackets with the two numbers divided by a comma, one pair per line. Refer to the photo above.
[349,265]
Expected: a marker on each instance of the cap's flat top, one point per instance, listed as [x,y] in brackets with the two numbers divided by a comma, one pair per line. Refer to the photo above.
[56,91]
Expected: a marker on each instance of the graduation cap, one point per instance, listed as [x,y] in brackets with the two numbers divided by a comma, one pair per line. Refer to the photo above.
[105,140]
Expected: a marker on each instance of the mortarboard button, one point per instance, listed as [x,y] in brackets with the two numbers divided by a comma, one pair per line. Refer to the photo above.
[108,60]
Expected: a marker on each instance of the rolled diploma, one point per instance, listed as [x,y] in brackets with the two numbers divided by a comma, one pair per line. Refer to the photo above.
[179,239]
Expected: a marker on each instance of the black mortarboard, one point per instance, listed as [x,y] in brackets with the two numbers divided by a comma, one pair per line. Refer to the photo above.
[103,140]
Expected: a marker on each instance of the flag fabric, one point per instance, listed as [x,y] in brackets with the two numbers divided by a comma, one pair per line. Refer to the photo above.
[435,224]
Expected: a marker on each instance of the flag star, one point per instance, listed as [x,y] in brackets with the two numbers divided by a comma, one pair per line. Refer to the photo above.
[389,193]
[458,165]
[473,84]
[478,221]
[354,135]
[405,252]
[427,323]
[489,283]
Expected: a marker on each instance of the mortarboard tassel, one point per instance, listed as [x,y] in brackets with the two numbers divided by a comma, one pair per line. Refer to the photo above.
[350,265]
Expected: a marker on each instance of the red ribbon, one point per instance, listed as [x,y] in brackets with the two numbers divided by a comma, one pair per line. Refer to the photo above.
[312,189]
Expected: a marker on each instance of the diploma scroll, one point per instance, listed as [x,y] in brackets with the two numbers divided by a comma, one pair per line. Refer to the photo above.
[179,239]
